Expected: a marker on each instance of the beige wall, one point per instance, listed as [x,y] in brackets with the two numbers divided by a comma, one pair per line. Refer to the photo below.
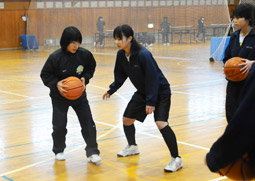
[12,25]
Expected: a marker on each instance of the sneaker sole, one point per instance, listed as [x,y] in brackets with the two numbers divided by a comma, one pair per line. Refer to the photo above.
[171,170]
[96,163]
[60,159]
[128,155]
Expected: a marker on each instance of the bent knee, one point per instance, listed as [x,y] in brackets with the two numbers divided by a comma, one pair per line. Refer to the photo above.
[128,121]
[161,124]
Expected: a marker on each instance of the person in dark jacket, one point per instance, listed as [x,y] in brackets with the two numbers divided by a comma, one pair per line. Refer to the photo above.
[241,44]
[100,30]
[153,93]
[165,28]
[238,138]
[70,60]
[201,28]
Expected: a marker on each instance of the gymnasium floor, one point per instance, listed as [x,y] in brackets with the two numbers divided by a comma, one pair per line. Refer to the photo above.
[197,117]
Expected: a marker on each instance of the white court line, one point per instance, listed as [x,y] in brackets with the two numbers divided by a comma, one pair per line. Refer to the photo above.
[6,92]
[196,83]
[198,95]
[99,137]
[44,161]
[217,179]
[168,58]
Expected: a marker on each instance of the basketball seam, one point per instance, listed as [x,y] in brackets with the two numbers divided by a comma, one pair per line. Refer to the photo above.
[74,88]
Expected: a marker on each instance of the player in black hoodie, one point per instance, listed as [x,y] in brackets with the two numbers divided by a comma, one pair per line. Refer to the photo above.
[70,60]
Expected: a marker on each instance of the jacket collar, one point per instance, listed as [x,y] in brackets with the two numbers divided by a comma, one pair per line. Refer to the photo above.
[251,33]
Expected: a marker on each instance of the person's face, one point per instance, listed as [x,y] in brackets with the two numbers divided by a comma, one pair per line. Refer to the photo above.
[241,22]
[123,43]
[73,46]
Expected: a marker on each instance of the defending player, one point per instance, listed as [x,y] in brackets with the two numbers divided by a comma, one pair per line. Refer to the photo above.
[153,93]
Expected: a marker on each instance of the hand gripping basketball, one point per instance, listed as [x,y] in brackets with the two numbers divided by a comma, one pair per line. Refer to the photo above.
[73,88]
[232,69]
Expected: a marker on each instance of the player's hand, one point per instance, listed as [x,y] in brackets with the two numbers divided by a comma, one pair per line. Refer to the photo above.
[149,109]
[246,66]
[61,87]
[106,96]
[83,82]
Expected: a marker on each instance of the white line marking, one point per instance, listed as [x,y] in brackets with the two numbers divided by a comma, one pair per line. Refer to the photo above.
[168,58]
[196,83]
[15,94]
[99,137]
[221,178]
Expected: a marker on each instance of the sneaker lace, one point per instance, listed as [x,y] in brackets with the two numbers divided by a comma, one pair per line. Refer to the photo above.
[172,161]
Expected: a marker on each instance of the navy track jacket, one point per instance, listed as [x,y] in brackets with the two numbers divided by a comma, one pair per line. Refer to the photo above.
[143,72]
[239,136]
[247,50]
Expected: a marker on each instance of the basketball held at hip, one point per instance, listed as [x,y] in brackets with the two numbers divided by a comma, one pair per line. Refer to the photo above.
[74,88]
[232,69]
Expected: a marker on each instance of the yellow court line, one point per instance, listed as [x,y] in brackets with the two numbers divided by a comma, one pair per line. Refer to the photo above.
[158,179]
[123,170]
[164,160]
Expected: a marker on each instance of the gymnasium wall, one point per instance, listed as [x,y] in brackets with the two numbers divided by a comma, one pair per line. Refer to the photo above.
[40,18]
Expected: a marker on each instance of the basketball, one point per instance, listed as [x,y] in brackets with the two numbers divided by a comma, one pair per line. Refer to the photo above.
[232,69]
[75,88]
[239,170]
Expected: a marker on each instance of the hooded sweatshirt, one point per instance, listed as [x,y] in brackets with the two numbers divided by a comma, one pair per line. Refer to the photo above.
[62,64]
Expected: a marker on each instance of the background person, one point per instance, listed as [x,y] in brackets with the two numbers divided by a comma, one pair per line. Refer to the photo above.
[100,29]
[165,28]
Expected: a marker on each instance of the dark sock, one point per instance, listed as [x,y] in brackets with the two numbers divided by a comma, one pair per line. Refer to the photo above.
[170,140]
[130,134]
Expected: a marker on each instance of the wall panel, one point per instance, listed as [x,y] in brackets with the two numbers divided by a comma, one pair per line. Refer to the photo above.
[50,22]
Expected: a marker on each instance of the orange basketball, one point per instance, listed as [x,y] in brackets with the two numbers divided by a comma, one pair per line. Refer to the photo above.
[75,88]
[232,69]
[239,170]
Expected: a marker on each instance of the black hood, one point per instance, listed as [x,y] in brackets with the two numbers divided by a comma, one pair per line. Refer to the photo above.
[70,34]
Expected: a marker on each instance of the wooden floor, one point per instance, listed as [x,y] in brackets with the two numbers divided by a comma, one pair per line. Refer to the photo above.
[197,117]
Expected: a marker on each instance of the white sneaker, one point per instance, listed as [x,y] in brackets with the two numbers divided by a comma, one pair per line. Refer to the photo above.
[95,44]
[94,158]
[129,150]
[174,165]
[168,44]
[60,156]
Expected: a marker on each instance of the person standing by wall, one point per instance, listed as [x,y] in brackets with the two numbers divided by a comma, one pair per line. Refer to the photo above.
[201,29]
[100,29]
[165,28]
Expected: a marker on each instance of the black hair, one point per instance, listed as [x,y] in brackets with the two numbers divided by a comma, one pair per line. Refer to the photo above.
[70,34]
[165,17]
[99,18]
[127,31]
[245,11]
